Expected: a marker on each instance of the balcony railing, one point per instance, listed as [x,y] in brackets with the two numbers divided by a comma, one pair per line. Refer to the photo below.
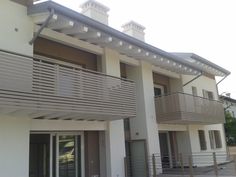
[188,109]
[45,89]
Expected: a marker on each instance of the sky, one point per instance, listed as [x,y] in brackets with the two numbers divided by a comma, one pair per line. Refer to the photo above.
[204,27]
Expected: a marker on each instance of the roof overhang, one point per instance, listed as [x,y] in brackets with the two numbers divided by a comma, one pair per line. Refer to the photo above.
[76,25]
[203,64]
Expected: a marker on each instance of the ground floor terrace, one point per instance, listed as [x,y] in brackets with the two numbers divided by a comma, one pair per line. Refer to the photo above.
[60,148]
[82,148]
[181,147]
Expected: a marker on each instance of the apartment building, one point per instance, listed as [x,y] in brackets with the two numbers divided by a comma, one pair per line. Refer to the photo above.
[77,96]
[229,104]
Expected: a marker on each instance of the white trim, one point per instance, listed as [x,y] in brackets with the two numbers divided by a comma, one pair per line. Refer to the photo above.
[57,155]
[82,155]
[160,87]
[51,156]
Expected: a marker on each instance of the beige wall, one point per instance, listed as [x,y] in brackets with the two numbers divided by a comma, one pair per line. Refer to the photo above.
[65,53]
[203,82]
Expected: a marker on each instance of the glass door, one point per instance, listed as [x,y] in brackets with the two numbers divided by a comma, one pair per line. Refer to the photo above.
[39,155]
[67,155]
[56,155]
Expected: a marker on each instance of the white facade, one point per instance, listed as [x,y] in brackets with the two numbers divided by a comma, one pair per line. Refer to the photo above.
[18,125]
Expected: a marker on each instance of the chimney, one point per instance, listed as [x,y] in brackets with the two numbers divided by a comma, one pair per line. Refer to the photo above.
[134,29]
[95,10]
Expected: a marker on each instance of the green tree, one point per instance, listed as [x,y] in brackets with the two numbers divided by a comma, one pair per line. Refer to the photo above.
[230,129]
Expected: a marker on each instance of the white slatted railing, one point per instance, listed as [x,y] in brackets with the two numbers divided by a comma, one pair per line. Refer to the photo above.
[49,87]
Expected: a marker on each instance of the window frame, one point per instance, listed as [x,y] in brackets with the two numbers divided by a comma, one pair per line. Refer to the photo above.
[215,139]
[161,87]
[203,147]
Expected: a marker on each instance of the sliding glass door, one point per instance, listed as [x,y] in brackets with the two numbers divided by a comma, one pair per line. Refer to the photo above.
[69,156]
[56,155]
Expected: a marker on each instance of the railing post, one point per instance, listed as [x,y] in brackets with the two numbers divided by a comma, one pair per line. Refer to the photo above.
[126,166]
[215,163]
[181,163]
[154,165]
[190,160]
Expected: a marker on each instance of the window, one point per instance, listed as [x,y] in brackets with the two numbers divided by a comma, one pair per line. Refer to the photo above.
[158,90]
[208,94]
[194,91]
[215,139]
[202,139]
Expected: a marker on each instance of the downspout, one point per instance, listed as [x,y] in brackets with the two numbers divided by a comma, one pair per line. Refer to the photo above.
[223,127]
[42,26]
[193,79]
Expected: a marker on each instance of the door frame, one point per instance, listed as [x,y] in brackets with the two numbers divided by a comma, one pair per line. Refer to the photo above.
[57,134]
[168,146]
[161,87]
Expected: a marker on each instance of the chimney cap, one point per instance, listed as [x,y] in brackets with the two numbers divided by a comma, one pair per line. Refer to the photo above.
[134,25]
[94,4]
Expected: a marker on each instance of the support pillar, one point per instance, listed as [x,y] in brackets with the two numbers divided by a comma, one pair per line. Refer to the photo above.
[144,126]
[115,139]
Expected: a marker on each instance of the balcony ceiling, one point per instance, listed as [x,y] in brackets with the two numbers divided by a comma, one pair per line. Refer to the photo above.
[78,26]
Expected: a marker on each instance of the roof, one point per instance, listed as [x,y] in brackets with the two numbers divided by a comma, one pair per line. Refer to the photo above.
[139,49]
[225,98]
[202,63]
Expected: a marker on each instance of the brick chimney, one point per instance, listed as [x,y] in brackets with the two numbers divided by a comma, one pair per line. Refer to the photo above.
[134,29]
[95,10]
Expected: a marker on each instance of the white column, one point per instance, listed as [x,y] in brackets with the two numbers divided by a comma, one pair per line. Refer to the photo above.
[115,139]
[14,146]
[144,126]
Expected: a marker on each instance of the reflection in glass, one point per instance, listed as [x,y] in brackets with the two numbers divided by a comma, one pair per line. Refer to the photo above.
[67,156]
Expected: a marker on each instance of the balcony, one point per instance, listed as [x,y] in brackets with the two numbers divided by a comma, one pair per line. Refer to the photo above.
[42,89]
[181,108]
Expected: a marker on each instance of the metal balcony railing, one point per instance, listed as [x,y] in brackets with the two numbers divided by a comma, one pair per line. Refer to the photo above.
[35,85]
[186,108]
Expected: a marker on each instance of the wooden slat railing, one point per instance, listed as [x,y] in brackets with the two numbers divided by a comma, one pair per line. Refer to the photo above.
[37,84]
[186,108]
